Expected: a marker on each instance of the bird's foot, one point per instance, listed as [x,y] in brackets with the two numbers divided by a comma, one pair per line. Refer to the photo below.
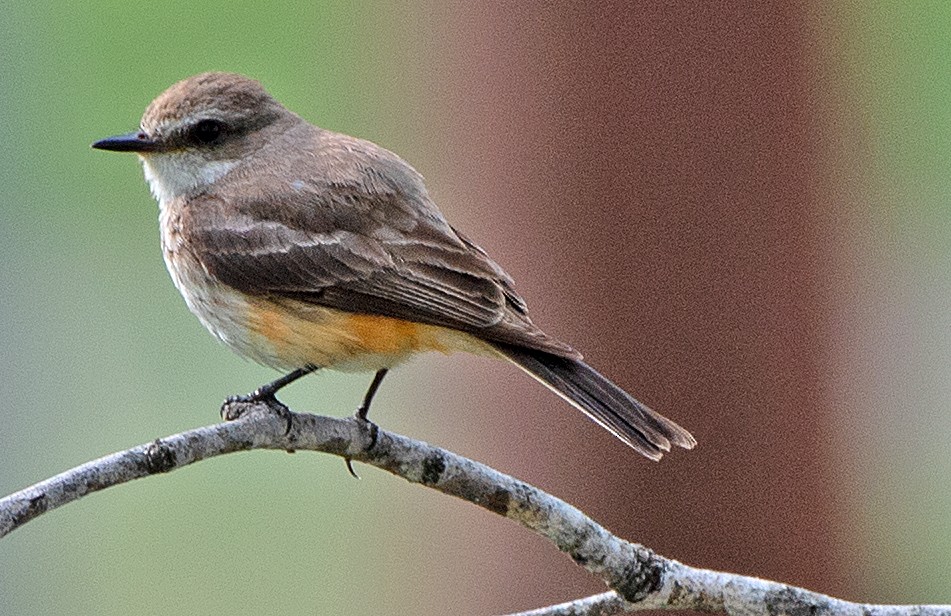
[235,406]
[367,434]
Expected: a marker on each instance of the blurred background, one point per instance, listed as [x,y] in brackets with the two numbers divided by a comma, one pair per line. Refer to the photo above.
[739,213]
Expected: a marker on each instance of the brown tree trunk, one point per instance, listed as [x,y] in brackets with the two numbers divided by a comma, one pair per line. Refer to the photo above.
[649,175]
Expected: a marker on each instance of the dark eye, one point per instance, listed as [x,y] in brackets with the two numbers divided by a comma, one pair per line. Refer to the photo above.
[207,131]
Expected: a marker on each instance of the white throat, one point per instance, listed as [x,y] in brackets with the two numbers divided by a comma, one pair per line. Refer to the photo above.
[177,174]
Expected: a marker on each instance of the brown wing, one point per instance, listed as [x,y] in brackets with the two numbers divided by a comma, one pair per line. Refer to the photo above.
[371,243]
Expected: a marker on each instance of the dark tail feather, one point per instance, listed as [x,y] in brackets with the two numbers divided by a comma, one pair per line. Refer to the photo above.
[649,433]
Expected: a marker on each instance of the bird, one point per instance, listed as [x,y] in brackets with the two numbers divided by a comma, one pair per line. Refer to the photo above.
[302,249]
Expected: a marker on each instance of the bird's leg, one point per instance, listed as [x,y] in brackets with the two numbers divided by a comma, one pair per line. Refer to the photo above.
[267,394]
[362,412]
[264,392]
[364,407]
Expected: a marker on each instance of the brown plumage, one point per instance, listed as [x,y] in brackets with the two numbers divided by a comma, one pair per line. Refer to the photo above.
[298,247]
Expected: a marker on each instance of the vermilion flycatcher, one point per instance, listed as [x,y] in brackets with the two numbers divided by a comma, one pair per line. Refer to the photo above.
[301,249]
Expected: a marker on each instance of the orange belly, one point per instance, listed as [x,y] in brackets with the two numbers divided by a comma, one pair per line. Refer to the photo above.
[294,333]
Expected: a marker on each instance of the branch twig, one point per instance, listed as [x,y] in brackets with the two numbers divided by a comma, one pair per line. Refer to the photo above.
[639,578]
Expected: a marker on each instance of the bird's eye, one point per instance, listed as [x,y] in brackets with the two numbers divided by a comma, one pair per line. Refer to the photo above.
[207,131]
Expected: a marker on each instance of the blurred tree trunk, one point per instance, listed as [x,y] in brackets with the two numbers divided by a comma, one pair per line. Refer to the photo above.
[653,177]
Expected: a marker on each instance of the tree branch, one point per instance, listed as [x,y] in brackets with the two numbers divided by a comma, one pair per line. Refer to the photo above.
[639,578]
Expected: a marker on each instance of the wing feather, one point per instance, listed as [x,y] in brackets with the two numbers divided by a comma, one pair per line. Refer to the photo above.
[366,242]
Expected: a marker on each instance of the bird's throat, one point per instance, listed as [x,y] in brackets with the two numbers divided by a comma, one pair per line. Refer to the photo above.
[181,173]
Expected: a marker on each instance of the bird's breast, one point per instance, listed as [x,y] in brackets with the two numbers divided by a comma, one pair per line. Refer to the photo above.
[221,309]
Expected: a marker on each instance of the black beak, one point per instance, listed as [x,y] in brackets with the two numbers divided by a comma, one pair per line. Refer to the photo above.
[130,142]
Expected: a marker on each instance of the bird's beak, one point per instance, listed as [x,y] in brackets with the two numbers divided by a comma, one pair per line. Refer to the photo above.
[130,142]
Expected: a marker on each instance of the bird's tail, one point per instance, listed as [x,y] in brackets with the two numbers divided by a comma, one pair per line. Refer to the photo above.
[647,432]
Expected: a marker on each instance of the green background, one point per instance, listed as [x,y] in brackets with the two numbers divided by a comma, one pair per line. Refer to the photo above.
[890,59]
[98,352]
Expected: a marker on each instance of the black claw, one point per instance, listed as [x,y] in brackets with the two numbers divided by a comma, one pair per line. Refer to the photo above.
[266,394]
[374,434]
[350,468]
[244,398]
[373,430]
[265,397]
[281,409]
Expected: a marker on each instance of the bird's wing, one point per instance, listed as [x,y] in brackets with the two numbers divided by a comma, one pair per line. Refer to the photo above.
[360,247]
